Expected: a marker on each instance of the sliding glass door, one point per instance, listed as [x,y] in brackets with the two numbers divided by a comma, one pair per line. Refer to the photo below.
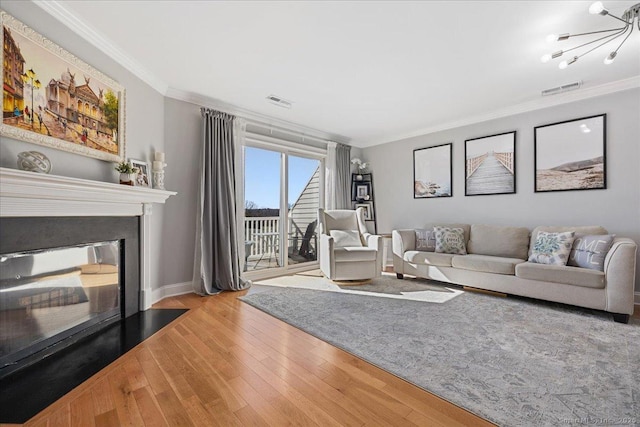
[282,194]
[302,216]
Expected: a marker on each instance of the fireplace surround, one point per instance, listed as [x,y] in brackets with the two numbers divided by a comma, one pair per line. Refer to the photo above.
[45,211]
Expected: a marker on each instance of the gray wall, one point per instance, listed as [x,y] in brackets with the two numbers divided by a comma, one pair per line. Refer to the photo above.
[617,208]
[183,134]
[144,118]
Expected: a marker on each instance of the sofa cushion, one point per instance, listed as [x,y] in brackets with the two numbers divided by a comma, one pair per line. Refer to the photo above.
[486,263]
[561,274]
[426,240]
[345,238]
[582,230]
[450,240]
[428,258]
[507,242]
[356,253]
[465,227]
[590,251]
[552,248]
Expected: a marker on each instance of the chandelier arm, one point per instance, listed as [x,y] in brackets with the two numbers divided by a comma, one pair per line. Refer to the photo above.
[596,32]
[609,36]
[625,39]
[602,44]
[620,19]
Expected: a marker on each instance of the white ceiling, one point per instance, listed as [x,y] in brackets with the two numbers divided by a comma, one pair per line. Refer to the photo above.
[368,71]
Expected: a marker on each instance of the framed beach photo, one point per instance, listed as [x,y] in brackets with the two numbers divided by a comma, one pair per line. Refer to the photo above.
[432,172]
[571,155]
[143,179]
[490,164]
[54,99]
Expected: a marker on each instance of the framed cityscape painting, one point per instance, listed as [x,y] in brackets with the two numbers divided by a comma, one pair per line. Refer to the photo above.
[52,98]
[571,155]
[490,164]
[432,172]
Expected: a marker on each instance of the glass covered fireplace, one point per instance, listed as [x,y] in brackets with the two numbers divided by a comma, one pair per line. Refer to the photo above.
[49,295]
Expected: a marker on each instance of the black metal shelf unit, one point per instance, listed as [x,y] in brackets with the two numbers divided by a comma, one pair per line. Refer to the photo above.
[362,195]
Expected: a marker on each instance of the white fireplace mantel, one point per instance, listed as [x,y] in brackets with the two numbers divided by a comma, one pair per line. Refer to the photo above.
[29,194]
[33,194]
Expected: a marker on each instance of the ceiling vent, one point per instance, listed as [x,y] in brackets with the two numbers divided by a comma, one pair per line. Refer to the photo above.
[276,100]
[561,89]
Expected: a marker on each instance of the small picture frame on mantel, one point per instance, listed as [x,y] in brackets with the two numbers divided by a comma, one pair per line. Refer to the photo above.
[143,177]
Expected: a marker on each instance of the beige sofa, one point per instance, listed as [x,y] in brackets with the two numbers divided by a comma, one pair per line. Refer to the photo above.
[497,261]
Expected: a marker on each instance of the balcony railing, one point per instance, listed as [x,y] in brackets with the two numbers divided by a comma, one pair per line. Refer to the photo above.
[261,231]
[262,237]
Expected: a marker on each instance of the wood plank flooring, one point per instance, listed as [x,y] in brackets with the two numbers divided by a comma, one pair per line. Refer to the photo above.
[226,363]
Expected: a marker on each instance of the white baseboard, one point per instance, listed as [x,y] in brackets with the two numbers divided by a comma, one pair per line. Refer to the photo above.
[171,291]
[637,298]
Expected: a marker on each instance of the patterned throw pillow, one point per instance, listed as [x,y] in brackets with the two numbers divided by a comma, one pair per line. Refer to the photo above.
[552,248]
[450,240]
[590,251]
[426,240]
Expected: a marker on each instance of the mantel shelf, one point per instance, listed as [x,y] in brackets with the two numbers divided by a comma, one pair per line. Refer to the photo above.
[33,194]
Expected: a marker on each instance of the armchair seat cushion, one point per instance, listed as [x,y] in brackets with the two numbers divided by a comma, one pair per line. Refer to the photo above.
[354,253]
[486,263]
[428,258]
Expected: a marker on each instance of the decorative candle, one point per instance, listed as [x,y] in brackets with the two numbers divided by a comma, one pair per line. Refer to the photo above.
[159,156]
[158,165]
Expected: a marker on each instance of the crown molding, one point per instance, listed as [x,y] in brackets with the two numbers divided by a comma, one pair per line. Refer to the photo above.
[78,26]
[537,104]
[251,116]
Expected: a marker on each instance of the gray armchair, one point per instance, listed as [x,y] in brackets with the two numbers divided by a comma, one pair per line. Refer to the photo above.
[347,251]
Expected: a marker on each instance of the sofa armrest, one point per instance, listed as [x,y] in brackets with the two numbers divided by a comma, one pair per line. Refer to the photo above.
[402,241]
[620,273]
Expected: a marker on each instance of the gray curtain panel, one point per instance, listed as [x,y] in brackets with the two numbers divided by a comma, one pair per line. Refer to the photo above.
[217,264]
[343,176]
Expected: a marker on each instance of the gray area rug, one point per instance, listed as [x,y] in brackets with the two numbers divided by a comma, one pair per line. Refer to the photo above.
[512,361]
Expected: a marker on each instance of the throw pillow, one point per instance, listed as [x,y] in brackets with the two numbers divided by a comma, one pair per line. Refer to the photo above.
[345,238]
[552,248]
[426,240]
[590,251]
[450,240]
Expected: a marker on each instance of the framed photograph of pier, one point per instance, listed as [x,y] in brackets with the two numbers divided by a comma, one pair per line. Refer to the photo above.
[433,172]
[571,155]
[490,164]
[53,98]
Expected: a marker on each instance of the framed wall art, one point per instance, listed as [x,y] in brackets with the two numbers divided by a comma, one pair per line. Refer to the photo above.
[490,164]
[52,98]
[361,190]
[432,172]
[143,178]
[368,210]
[571,155]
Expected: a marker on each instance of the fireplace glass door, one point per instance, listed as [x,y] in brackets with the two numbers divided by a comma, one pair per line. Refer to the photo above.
[49,295]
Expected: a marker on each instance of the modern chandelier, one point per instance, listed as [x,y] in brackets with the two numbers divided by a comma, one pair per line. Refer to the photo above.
[630,18]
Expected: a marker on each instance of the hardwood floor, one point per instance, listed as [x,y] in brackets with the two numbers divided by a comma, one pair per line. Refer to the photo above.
[227,363]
